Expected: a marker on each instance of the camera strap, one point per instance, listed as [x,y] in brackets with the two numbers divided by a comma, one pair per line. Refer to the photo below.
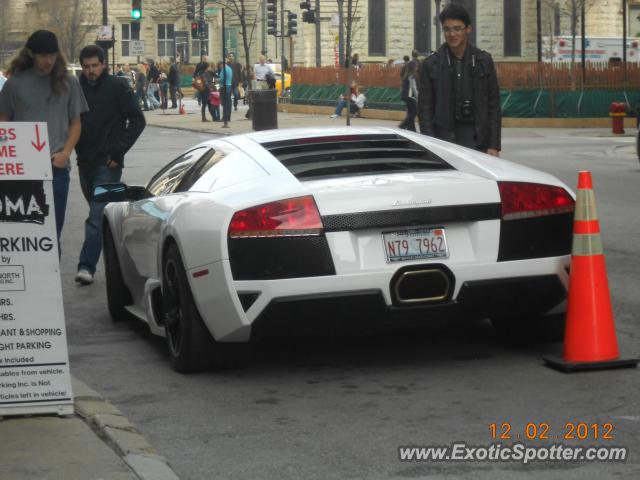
[462,74]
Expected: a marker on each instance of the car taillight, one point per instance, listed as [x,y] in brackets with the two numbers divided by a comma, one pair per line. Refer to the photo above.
[529,200]
[292,217]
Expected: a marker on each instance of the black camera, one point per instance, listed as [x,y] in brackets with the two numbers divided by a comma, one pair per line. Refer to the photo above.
[464,111]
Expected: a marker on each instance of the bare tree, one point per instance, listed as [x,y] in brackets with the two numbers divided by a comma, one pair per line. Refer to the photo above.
[248,18]
[244,11]
[72,21]
[352,11]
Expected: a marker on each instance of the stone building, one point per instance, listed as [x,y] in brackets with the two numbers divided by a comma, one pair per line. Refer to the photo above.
[382,29]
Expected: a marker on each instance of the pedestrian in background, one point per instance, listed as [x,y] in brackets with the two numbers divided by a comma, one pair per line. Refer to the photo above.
[409,95]
[153,88]
[109,129]
[141,87]
[40,89]
[203,83]
[214,102]
[201,67]
[458,94]
[262,69]
[226,80]
[236,68]
[174,82]
[164,90]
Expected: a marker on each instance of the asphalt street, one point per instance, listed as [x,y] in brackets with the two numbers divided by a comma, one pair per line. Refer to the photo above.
[337,408]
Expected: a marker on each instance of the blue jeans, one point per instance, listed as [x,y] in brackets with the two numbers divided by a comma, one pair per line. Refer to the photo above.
[343,103]
[225,96]
[90,176]
[60,186]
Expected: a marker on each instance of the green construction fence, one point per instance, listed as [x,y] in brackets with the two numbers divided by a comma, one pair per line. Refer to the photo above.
[515,103]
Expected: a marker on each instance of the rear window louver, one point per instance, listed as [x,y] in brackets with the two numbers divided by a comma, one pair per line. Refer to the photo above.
[346,155]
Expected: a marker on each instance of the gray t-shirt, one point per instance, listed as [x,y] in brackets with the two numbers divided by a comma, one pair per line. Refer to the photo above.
[26,97]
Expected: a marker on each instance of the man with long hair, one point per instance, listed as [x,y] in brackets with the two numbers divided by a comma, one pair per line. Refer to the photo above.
[110,128]
[40,89]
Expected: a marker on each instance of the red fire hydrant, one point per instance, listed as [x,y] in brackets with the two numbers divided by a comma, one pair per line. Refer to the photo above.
[617,112]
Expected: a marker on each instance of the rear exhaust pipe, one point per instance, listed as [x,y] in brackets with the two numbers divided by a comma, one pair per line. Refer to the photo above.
[422,286]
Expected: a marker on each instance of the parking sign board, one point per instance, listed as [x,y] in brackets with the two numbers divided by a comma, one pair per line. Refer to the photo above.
[34,362]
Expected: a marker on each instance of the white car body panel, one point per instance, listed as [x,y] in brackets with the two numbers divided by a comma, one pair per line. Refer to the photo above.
[249,175]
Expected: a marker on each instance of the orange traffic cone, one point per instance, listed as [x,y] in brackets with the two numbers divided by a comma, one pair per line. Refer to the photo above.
[182,110]
[590,337]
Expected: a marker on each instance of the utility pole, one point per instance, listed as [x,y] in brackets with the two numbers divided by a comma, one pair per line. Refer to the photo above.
[226,104]
[104,12]
[283,58]
[349,66]
[583,34]
[264,28]
[201,28]
[539,30]
[341,32]
[318,44]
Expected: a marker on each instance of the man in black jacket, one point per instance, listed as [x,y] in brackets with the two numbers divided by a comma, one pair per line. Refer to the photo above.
[458,94]
[109,130]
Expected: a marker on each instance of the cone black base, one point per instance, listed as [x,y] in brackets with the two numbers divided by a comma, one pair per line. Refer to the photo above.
[560,364]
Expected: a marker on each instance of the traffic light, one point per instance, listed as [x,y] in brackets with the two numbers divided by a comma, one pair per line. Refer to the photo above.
[308,15]
[272,17]
[292,23]
[191,9]
[136,10]
[194,29]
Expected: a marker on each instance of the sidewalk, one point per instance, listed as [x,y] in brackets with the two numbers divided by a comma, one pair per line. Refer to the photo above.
[192,121]
[96,443]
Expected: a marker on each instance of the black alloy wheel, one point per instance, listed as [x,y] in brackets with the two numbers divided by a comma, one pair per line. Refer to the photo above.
[118,295]
[190,343]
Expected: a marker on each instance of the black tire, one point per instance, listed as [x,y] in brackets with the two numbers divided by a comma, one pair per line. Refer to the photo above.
[118,295]
[638,143]
[191,346]
[548,328]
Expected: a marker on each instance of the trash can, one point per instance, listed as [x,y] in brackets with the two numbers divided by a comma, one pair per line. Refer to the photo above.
[264,109]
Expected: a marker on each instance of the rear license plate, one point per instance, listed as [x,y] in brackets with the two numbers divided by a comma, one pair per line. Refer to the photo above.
[415,244]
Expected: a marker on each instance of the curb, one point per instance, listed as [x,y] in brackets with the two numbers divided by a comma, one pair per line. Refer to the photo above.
[117,432]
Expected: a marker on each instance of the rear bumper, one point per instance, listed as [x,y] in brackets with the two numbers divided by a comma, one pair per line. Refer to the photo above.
[236,310]
[364,311]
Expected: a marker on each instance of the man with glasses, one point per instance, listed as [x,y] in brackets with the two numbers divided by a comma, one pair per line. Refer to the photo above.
[458,94]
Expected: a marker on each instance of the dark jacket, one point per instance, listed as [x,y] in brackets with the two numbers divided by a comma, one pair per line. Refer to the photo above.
[112,124]
[154,73]
[435,97]
[236,68]
[200,68]
[174,75]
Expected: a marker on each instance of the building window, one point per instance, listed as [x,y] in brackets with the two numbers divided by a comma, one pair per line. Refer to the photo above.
[195,43]
[377,28]
[166,38]
[130,31]
[512,21]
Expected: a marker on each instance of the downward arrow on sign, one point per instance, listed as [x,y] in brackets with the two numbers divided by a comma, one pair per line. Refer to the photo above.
[38,146]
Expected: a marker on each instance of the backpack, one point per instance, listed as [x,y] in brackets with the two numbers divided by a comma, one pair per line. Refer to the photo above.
[198,84]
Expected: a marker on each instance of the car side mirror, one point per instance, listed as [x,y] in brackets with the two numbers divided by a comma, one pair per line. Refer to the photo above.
[117,192]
